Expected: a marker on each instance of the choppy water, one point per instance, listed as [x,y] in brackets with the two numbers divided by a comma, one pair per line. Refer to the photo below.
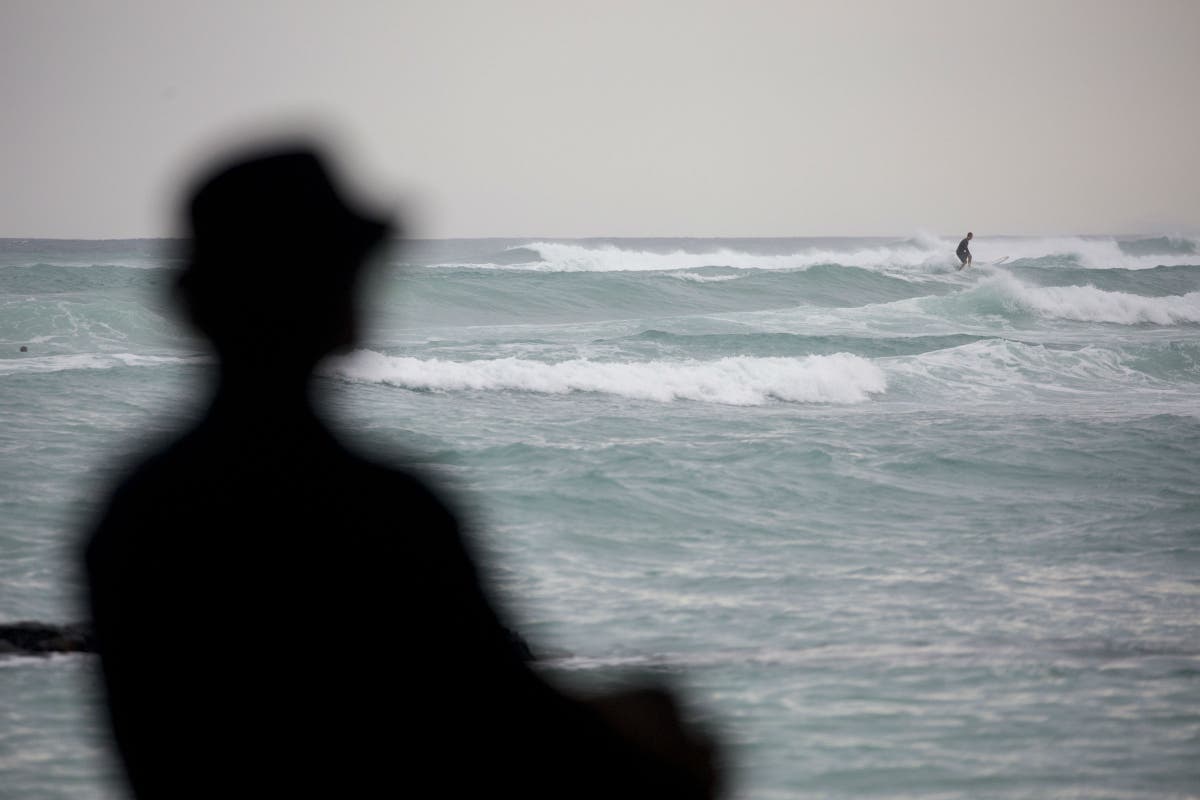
[898,530]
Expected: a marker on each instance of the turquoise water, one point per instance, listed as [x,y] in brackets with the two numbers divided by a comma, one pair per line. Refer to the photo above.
[895,529]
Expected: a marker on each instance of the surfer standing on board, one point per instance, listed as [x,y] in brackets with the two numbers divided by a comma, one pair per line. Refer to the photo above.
[963,252]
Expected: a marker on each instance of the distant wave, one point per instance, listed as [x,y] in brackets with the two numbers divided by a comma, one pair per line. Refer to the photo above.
[1097,252]
[92,265]
[46,278]
[85,361]
[924,253]
[1159,245]
[840,378]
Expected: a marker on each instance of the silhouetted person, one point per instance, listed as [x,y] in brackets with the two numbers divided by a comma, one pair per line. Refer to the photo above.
[280,617]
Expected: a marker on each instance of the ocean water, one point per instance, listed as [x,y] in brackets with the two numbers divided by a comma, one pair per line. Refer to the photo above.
[894,530]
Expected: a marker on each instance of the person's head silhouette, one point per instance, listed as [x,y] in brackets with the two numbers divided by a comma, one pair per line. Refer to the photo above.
[276,251]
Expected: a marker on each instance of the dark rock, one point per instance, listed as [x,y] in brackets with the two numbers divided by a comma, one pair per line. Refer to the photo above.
[41,638]
[29,638]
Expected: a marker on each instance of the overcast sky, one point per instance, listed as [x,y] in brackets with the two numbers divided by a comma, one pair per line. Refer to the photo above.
[614,118]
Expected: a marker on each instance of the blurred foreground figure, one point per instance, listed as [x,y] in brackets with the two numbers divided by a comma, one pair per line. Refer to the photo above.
[280,617]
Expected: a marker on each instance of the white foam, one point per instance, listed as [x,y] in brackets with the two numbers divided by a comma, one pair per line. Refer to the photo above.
[566,257]
[1011,371]
[693,277]
[1089,304]
[840,378]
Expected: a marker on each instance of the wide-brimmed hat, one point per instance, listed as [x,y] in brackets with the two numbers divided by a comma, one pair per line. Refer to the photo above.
[279,205]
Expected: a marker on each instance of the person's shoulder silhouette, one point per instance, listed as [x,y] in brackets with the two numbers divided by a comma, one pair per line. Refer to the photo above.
[277,614]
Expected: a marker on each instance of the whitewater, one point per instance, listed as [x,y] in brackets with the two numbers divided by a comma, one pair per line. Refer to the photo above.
[894,529]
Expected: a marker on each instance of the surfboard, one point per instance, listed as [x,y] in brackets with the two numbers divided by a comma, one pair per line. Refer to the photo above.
[977,263]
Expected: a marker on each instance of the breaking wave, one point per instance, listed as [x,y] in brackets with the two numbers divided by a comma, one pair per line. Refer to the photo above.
[1089,304]
[840,378]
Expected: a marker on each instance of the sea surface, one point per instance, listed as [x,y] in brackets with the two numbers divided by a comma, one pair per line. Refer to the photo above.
[893,529]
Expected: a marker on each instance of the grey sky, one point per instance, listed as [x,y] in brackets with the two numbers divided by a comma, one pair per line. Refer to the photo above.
[621,118]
